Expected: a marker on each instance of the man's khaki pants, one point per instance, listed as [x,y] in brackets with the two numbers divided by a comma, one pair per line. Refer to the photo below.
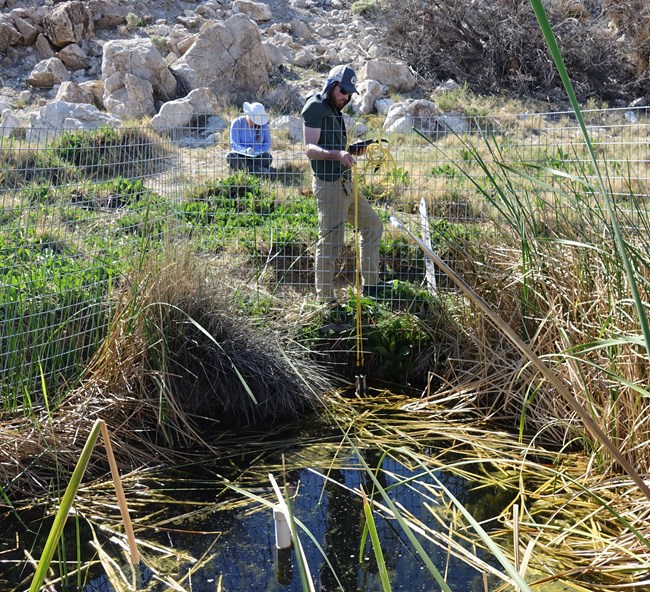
[335,201]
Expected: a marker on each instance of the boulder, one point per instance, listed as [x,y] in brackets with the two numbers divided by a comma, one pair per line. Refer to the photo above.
[290,124]
[11,125]
[9,35]
[96,88]
[189,21]
[277,54]
[59,115]
[140,58]
[286,96]
[369,92]
[256,11]
[70,22]
[454,121]
[128,96]
[182,113]
[356,128]
[399,125]
[43,48]
[227,57]
[300,30]
[47,73]
[395,75]
[73,57]
[184,44]
[447,86]
[303,58]
[107,14]
[71,92]
[174,117]
[382,106]
[420,114]
[28,31]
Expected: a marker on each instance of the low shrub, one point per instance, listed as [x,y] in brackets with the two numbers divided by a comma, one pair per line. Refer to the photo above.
[20,167]
[497,45]
[111,152]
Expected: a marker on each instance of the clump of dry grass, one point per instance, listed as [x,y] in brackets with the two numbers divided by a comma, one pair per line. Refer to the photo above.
[202,355]
[569,302]
[22,166]
[180,366]
[109,152]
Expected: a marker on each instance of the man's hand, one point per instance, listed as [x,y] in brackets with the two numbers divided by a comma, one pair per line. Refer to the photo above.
[250,151]
[315,152]
[346,158]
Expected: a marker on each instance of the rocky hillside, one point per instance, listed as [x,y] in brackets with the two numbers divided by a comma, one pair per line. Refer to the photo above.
[129,58]
[81,63]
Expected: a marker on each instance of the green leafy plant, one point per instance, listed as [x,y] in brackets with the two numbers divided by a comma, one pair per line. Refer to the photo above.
[396,339]
[367,8]
[133,20]
[444,170]
[399,176]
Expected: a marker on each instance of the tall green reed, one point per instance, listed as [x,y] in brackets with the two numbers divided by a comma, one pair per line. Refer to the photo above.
[61,517]
[569,206]
[370,527]
[622,247]
[54,541]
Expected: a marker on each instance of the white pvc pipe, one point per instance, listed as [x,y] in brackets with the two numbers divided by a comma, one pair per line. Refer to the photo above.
[282,530]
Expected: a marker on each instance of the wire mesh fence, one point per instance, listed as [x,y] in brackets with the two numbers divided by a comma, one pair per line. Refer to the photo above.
[80,208]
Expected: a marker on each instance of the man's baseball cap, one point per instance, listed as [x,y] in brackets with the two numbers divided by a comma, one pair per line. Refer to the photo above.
[345,76]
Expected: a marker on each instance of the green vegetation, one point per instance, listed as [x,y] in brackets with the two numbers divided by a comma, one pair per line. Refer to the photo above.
[145,306]
[367,8]
[110,152]
[19,167]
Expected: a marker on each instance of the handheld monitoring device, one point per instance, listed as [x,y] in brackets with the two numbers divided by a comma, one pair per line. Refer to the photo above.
[361,145]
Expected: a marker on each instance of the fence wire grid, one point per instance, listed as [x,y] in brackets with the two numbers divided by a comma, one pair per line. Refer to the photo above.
[80,207]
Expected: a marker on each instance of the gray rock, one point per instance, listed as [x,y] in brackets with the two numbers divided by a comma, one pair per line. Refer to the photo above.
[140,58]
[128,96]
[47,73]
[73,57]
[227,57]
[70,22]
[9,35]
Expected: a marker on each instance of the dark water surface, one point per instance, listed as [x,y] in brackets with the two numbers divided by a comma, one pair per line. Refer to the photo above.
[205,519]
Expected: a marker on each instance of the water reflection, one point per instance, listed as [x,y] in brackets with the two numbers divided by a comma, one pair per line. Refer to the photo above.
[341,537]
[239,544]
[245,556]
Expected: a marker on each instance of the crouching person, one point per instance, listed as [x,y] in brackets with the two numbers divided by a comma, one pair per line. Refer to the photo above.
[250,140]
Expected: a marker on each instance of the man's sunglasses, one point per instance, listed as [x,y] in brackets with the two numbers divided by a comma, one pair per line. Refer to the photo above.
[345,93]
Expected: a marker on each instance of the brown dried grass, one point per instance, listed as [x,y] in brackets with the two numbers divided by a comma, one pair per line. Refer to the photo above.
[179,368]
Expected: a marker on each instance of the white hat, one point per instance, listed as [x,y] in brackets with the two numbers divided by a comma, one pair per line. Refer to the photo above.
[256,112]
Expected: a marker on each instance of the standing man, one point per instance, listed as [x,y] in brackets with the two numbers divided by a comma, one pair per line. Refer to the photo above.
[325,139]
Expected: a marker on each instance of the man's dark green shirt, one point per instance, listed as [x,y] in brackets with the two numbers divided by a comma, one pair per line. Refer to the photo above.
[318,113]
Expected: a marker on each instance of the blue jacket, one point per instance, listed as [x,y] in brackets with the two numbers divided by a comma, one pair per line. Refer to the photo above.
[242,136]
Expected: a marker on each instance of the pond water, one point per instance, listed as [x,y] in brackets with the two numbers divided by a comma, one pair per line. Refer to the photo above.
[193,512]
